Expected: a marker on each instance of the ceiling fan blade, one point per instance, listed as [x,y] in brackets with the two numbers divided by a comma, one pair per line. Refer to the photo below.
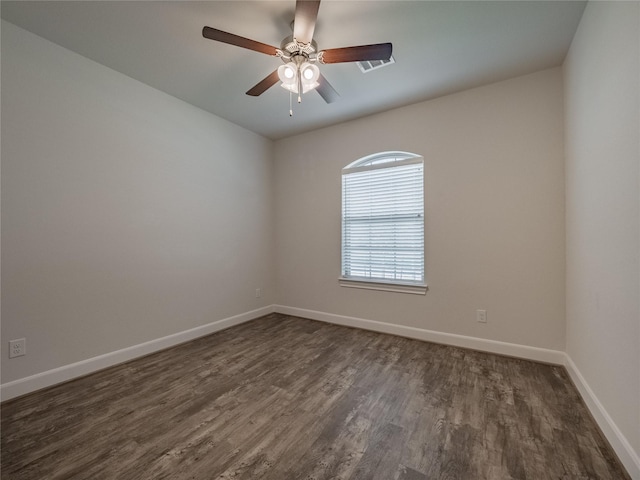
[264,84]
[237,40]
[379,51]
[326,91]
[304,22]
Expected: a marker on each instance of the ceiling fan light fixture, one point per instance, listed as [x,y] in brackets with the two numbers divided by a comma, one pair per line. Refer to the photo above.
[309,86]
[310,72]
[289,72]
[288,75]
[293,76]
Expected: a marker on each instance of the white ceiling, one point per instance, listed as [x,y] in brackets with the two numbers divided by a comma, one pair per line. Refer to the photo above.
[439,48]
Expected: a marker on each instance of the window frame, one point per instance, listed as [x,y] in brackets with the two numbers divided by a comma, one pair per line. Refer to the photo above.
[377,161]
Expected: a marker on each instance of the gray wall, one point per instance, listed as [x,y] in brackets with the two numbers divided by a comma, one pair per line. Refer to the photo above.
[494,213]
[127,215]
[602,81]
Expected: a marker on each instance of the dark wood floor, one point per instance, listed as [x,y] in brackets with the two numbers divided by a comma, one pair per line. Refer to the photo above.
[287,398]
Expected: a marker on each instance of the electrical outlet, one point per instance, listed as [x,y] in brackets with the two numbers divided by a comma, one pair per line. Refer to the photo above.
[17,348]
[481,316]
[258,293]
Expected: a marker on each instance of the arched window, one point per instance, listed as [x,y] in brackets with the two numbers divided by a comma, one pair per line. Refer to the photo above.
[383,222]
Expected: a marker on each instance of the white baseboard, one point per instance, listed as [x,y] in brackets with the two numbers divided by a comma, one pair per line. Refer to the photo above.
[68,372]
[629,458]
[503,348]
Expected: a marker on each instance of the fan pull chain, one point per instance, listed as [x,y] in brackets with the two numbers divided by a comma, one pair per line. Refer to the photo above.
[290,103]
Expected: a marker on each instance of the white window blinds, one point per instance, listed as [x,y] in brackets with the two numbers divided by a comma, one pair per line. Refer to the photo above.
[383,219]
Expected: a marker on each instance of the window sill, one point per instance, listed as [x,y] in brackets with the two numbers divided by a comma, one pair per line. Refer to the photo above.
[411,288]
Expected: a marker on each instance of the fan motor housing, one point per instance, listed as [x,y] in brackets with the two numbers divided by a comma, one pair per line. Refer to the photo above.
[291,46]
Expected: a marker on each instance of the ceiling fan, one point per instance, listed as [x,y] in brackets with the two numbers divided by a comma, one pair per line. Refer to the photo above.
[300,56]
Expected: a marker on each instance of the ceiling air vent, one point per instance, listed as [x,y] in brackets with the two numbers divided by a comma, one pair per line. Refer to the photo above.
[368,65]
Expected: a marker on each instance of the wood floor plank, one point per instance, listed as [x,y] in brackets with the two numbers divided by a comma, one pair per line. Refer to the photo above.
[381,459]
[406,473]
[284,398]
